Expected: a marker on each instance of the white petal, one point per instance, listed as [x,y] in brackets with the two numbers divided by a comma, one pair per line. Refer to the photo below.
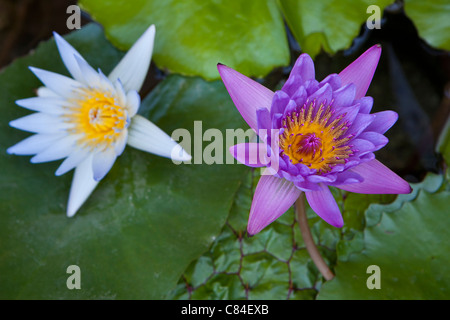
[121,143]
[179,154]
[34,144]
[83,184]
[133,67]
[73,160]
[51,105]
[68,54]
[45,92]
[105,83]
[133,102]
[40,123]
[146,136]
[58,150]
[90,76]
[62,85]
[120,92]
[102,163]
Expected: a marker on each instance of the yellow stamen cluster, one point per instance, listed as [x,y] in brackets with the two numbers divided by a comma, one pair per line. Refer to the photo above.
[308,138]
[99,117]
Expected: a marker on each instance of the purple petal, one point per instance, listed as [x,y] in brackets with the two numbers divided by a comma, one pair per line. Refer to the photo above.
[302,71]
[311,86]
[291,107]
[247,94]
[368,157]
[333,80]
[273,197]
[314,178]
[378,179]
[347,177]
[263,120]
[277,120]
[377,139]
[292,84]
[300,96]
[350,113]
[361,147]
[279,102]
[322,95]
[323,203]
[361,122]
[250,154]
[383,121]
[292,169]
[361,71]
[365,103]
[264,125]
[307,186]
[344,96]
[346,114]
[304,67]
[288,176]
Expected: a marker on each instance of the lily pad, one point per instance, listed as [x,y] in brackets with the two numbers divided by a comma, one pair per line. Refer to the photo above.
[329,25]
[410,246]
[273,264]
[145,222]
[192,36]
[431,20]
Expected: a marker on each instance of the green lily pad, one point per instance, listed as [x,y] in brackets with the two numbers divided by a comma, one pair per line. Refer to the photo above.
[410,246]
[192,36]
[431,20]
[145,222]
[273,264]
[329,25]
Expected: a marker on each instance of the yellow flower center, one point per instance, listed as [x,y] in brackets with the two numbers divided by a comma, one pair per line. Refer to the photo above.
[99,117]
[309,139]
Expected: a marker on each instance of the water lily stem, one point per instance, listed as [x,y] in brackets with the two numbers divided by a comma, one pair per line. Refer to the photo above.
[308,239]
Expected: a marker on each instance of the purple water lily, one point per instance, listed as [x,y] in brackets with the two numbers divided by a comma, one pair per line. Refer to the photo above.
[325,136]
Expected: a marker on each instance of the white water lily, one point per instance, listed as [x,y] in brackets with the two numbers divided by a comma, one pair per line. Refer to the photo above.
[88,120]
